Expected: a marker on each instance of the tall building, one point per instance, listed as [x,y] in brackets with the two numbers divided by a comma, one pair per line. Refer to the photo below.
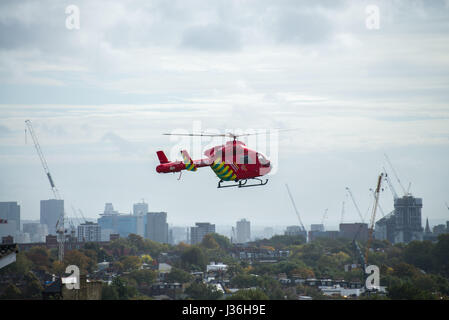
[109,209]
[37,231]
[89,232]
[439,229]
[10,211]
[140,208]
[243,231]
[268,232]
[295,231]
[51,210]
[385,227]
[407,211]
[157,227]
[112,222]
[404,223]
[198,232]
[180,234]
[354,231]
[317,227]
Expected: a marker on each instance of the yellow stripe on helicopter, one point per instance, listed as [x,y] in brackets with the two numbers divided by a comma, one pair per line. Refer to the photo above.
[190,166]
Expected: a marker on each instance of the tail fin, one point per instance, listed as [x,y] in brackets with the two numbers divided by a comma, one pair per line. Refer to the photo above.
[188,161]
[162,157]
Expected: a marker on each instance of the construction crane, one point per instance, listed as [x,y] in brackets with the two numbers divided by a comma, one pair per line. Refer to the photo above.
[294,206]
[380,207]
[393,191]
[373,217]
[355,204]
[342,212]
[60,230]
[395,174]
[324,217]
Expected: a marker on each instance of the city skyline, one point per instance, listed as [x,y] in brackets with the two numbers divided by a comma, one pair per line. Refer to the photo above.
[101,96]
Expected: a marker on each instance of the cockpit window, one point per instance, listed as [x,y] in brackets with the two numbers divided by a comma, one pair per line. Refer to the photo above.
[262,159]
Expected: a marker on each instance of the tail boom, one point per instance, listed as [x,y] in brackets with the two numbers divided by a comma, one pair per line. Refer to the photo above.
[167,166]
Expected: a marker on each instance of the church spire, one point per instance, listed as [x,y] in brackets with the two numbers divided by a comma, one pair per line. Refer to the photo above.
[427,226]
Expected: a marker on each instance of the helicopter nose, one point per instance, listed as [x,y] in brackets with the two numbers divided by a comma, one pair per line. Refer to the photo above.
[266,168]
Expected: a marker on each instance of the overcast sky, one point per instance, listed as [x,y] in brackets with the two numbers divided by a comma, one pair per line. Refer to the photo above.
[100,97]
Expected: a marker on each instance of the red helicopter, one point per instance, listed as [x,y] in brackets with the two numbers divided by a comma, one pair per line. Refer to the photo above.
[233,162]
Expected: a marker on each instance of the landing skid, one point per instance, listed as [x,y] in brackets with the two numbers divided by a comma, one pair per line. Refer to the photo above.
[243,183]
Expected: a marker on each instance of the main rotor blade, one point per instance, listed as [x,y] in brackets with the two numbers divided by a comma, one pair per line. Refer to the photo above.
[195,134]
[229,134]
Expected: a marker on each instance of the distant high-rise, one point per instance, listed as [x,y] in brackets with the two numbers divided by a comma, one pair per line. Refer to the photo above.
[295,231]
[404,223]
[317,227]
[179,234]
[157,227]
[354,231]
[243,231]
[10,211]
[385,227]
[37,231]
[89,232]
[140,208]
[109,209]
[408,224]
[198,232]
[268,232]
[51,211]
[112,222]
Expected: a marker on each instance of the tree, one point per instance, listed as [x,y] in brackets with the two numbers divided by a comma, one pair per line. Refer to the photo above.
[124,291]
[222,241]
[33,288]
[209,242]
[194,257]
[109,292]
[11,293]
[101,253]
[407,291]
[58,267]
[179,275]
[405,270]
[137,242]
[146,258]
[40,257]
[303,272]
[244,281]
[441,253]
[420,254]
[83,262]
[282,241]
[130,263]
[143,276]
[202,291]
[249,294]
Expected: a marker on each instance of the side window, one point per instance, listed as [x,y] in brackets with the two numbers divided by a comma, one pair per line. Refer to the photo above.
[246,159]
